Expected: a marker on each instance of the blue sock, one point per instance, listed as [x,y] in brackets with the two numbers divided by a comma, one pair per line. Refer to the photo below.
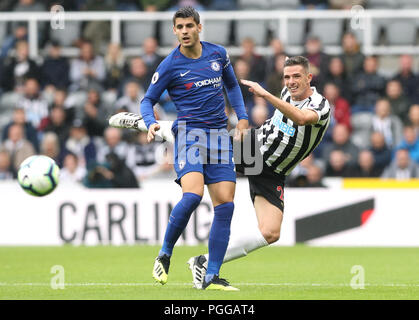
[218,238]
[178,220]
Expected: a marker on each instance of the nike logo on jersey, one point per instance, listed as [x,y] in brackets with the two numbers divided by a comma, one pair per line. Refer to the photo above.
[185,73]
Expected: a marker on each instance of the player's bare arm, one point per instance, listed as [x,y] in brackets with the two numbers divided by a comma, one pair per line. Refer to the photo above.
[299,117]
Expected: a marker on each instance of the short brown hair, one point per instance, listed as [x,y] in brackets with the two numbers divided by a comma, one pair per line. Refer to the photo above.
[186,12]
[297,61]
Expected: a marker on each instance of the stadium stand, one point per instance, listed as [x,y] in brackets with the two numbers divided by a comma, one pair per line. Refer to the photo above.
[329,31]
[386,31]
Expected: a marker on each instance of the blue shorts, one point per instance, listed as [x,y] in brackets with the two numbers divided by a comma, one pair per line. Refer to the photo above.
[208,151]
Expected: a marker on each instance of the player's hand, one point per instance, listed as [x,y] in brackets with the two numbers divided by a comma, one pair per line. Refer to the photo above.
[241,129]
[152,132]
[255,88]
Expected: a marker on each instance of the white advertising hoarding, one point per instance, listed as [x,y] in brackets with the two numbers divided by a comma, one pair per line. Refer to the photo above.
[326,217]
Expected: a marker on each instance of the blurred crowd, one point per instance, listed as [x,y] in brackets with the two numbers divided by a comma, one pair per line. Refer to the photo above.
[162,5]
[59,106]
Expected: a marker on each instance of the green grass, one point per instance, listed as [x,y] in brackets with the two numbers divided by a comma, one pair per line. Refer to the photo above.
[298,272]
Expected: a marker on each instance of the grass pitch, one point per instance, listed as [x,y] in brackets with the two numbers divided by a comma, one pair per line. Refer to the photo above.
[271,273]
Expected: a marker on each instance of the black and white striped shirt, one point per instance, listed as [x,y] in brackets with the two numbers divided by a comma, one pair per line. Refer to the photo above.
[284,144]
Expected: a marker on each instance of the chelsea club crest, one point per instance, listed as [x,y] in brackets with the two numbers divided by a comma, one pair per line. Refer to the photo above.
[215,66]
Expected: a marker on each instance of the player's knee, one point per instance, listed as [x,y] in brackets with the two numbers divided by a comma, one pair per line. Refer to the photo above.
[222,192]
[270,235]
[198,190]
[222,198]
[225,199]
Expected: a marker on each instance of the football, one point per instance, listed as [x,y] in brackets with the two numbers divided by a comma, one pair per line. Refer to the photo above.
[38,175]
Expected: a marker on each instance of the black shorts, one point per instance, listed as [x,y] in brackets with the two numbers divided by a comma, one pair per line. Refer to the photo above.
[267,184]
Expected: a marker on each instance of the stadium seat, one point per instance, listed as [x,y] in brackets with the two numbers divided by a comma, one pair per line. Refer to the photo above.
[222,5]
[135,32]
[329,31]
[108,99]
[255,29]
[401,32]
[285,4]
[76,100]
[359,32]
[408,4]
[217,31]
[295,34]
[269,4]
[6,116]
[8,103]
[9,100]
[3,30]
[254,5]
[381,4]
[167,38]
[361,126]
[66,37]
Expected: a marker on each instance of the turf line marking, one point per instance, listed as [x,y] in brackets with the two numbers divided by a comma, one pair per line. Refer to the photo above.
[139,284]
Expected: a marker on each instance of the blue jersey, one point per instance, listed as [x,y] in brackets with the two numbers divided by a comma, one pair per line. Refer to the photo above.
[196,88]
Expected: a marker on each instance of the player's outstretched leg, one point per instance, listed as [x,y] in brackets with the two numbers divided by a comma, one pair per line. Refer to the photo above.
[128,120]
[198,266]
[242,243]
[161,268]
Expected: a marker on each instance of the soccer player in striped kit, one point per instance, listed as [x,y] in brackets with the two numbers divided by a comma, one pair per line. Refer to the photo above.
[298,125]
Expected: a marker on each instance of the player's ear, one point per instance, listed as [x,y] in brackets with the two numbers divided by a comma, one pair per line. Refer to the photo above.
[199,27]
[309,77]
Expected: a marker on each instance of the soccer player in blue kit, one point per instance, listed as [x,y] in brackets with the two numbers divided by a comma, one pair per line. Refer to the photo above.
[194,74]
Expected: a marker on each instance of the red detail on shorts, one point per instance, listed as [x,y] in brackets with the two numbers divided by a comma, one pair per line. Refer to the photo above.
[189,85]
[366,215]
[281,192]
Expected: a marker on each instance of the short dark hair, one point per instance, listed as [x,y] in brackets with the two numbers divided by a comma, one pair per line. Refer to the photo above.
[186,12]
[297,61]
